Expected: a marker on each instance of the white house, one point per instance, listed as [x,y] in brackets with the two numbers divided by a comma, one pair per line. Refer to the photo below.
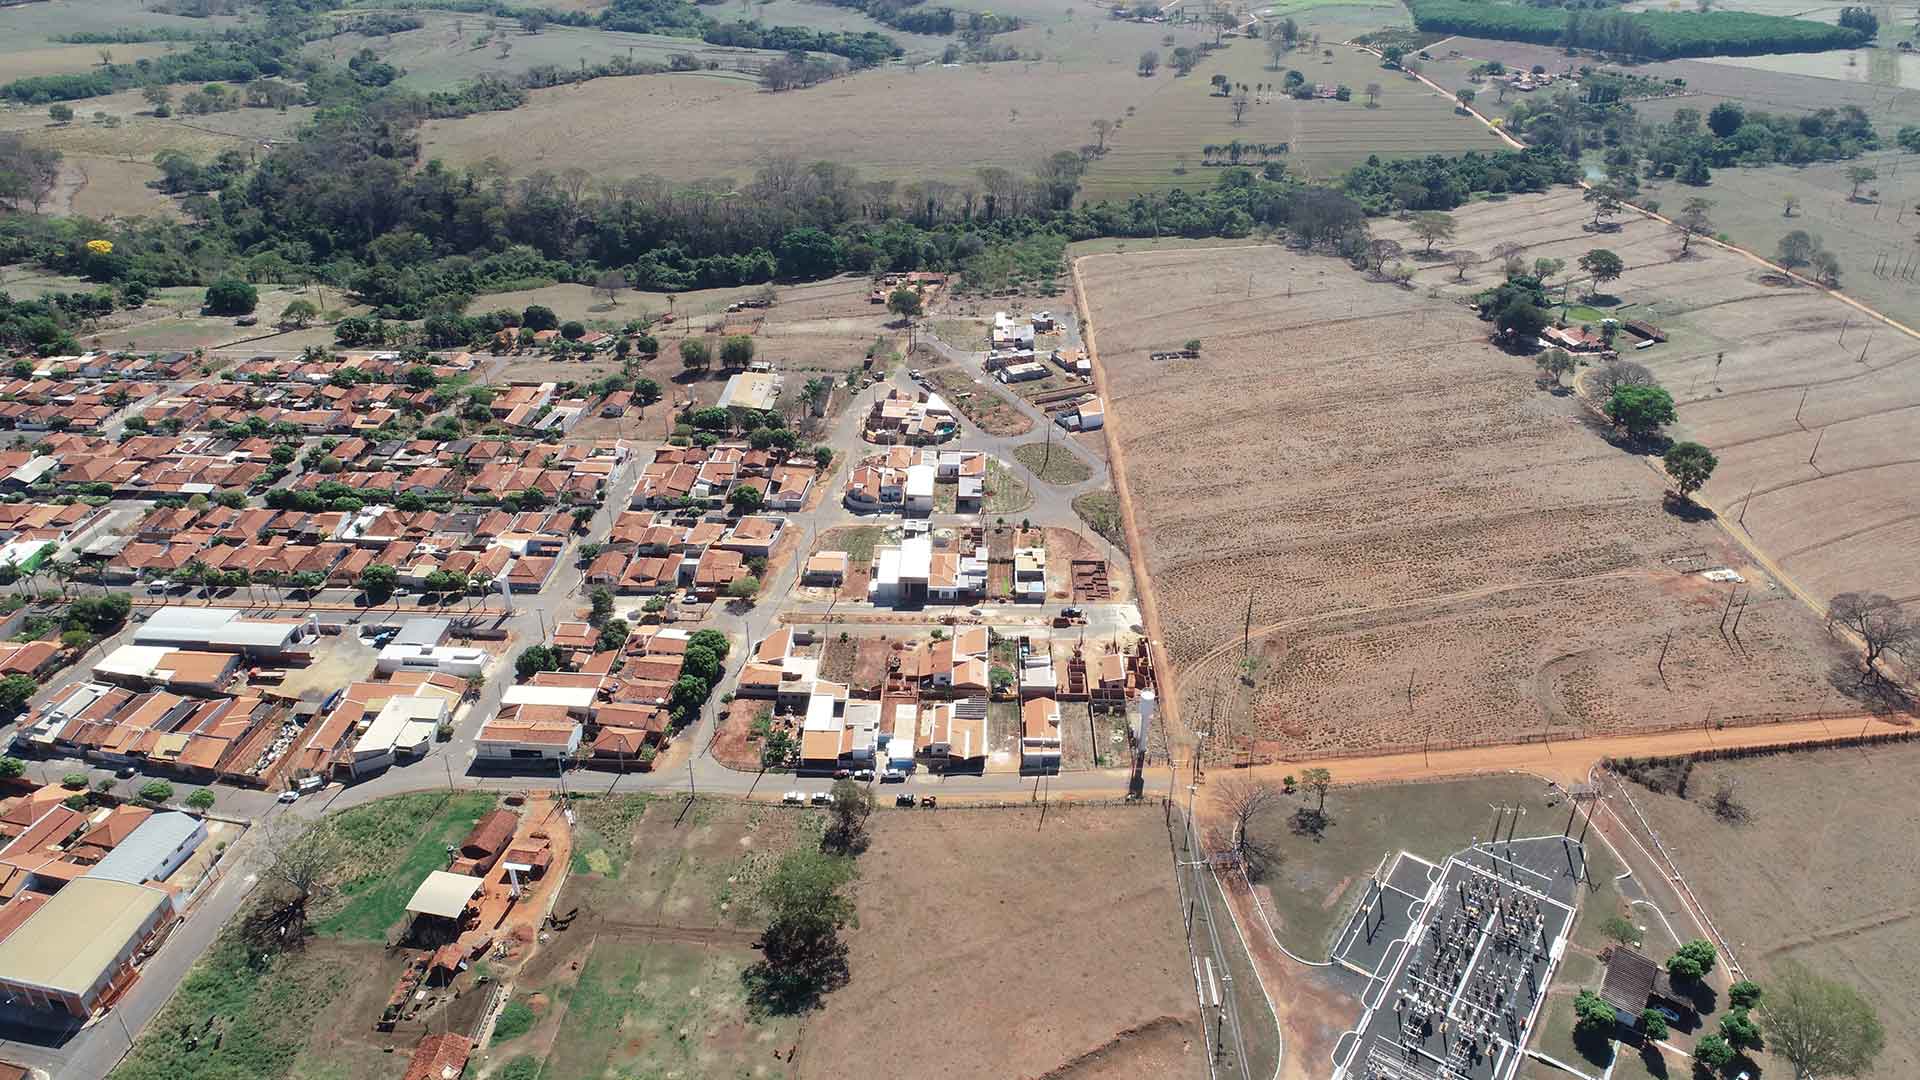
[919,488]
[460,661]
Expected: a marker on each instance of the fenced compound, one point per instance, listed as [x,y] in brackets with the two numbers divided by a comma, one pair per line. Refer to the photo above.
[1458,958]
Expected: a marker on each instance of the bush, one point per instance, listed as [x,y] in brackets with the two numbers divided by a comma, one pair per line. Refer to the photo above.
[156,791]
[515,1020]
[74,781]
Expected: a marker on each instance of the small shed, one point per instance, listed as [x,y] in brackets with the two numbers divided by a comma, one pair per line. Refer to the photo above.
[440,905]
[482,847]
[1632,979]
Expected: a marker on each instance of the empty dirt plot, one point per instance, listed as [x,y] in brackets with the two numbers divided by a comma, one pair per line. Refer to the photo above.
[1809,876]
[1060,943]
[1768,376]
[1401,502]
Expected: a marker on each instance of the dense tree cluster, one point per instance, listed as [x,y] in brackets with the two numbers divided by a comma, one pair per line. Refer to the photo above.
[1652,34]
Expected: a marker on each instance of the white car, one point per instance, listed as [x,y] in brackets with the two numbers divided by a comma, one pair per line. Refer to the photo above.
[863,774]
[893,776]
[794,798]
[289,796]
[821,798]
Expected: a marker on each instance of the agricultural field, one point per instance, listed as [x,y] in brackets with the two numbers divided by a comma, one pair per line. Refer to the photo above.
[1807,876]
[1429,516]
[1325,136]
[452,49]
[1104,914]
[30,28]
[1749,355]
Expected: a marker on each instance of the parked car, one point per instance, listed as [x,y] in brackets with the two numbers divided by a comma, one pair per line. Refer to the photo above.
[156,588]
[1672,1017]
[928,802]
[289,796]
[863,775]
[903,800]
[794,798]
[126,772]
[821,798]
[841,774]
[893,776]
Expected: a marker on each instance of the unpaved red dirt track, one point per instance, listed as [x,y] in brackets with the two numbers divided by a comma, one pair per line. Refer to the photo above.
[1402,500]
[992,945]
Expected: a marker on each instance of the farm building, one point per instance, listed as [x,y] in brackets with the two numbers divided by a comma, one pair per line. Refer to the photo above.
[482,848]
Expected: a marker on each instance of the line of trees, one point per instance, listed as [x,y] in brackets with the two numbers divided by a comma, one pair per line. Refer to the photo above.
[1652,34]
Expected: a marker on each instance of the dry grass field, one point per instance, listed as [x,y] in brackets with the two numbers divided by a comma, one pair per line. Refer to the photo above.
[29,28]
[1746,358]
[963,943]
[1402,502]
[1813,876]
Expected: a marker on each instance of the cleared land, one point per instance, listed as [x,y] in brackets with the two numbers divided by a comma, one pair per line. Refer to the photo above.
[1055,465]
[1400,500]
[1809,877]
[31,27]
[1747,356]
[1018,950]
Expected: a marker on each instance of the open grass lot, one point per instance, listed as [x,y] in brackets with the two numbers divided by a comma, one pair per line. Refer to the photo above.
[1417,508]
[297,1015]
[1080,967]
[1325,136]
[63,59]
[1814,876]
[449,50]
[1743,357]
[646,981]
[1056,465]
[929,123]
[27,28]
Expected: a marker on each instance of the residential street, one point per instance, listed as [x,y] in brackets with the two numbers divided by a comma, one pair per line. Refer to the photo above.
[686,766]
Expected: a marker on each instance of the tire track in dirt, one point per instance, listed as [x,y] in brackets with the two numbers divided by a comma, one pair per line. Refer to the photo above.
[1262,632]
[1807,431]
[1825,476]
[1877,921]
[1846,536]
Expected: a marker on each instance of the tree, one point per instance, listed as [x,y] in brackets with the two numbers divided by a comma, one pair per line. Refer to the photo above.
[1240,103]
[1245,799]
[1464,96]
[538,317]
[1796,249]
[743,588]
[610,285]
[904,302]
[1690,464]
[1744,994]
[299,864]
[231,296]
[1276,48]
[1882,625]
[1859,176]
[1433,226]
[711,640]
[694,353]
[1714,1052]
[1149,62]
[847,821]
[1826,267]
[156,791]
[298,313]
[1640,410]
[1318,781]
[1693,221]
[573,330]
[646,391]
[1463,260]
[736,351]
[745,499]
[1725,119]
[1373,95]
[1520,320]
[535,659]
[201,800]
[77,641]
[602,600]
[1606,202]
[1653,1024]
[15,692]
[1615,373]
[1557,363]
[613,636]
[1791,204]
[1603,266]
[803,958]
[1692,961]
[1101,129]
[1593,1017]
[12,768]
[1822,1027]
[60,114]
[378,582]
[1738,1028]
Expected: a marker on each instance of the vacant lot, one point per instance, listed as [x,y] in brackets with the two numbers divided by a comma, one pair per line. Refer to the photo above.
[1809,877]
[1760,373]
[962,944]
[1418,510]
[1053,464]
[646,980]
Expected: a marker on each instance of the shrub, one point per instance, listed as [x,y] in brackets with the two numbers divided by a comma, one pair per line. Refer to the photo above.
[515,1020]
